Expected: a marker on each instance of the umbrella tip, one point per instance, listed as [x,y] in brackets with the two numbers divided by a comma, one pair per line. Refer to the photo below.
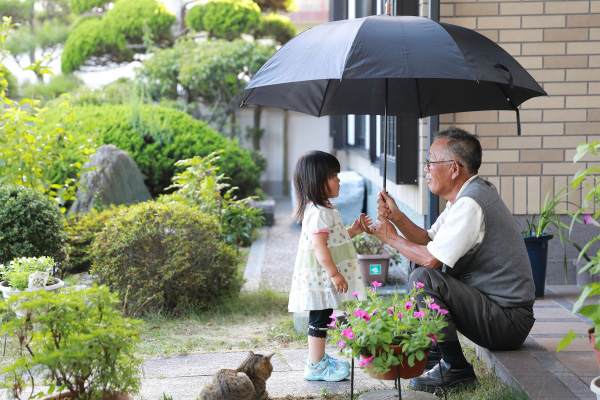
[388,8]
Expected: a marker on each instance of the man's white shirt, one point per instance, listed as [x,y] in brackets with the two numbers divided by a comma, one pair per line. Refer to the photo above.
[458,230]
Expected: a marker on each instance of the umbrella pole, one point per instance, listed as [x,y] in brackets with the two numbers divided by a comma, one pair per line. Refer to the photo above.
[385,136]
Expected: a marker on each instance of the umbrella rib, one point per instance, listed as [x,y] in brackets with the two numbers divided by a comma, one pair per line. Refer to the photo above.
[325,96]
[419,98]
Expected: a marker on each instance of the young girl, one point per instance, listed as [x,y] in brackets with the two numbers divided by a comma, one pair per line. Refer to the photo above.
[327,271]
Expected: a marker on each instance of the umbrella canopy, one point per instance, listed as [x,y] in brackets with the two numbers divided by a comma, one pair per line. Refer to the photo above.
[391,65]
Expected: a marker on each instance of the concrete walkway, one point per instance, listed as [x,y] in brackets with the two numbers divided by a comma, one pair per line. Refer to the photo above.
[536,367]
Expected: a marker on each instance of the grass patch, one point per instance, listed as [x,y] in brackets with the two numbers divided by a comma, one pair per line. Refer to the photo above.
[253,321]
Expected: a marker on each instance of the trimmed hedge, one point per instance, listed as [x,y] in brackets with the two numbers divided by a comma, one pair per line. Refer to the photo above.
[31,225]
[165,256]
[157,137]
[225,19]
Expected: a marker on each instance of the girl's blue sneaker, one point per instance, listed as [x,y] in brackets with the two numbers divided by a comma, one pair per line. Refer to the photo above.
[325,371]
[337,362]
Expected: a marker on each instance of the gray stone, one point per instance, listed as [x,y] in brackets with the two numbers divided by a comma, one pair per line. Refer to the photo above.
[115,180]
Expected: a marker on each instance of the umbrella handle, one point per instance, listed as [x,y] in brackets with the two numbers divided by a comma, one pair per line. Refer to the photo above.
[511,85]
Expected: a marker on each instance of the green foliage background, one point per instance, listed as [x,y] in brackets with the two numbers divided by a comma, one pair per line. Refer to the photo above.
[157,137]
[225,19]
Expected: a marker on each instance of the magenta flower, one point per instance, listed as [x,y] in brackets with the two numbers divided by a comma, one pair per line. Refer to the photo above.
[442,311]
[587,219]
[391,311]
[419,285]
[366,361]
[433,338]
[399,315]
[355,294]
[408,305]
[362,314]
[374,312]
[348,333]
[376,284]
[419,314]
[341,343]
[332,323]
[433,306]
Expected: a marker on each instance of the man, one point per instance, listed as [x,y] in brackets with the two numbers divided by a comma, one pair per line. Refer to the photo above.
[472,261]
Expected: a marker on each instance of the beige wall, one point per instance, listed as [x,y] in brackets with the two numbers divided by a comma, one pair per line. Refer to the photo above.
[558,42]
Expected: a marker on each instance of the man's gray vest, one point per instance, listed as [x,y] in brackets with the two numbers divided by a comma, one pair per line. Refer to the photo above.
[499,267]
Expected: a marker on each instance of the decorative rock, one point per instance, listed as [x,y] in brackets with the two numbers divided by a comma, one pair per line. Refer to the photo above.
[115,180]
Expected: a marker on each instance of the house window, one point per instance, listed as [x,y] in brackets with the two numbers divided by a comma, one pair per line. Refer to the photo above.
[364,132]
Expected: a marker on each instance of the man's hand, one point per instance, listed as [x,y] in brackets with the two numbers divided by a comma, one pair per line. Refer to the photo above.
[386,206]
[384,230]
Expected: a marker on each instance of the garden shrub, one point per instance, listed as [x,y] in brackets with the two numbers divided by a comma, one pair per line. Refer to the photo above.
[157,137]
[165,256]
[31,225]
[11,86]
[57,85]
[277,26]
[225,19]
[80,230]
[107,38]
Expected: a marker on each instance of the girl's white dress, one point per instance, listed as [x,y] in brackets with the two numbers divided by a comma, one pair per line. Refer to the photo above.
[311,286]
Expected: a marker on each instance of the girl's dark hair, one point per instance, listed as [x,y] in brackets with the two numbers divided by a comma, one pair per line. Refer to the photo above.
[311,173]
[463,145]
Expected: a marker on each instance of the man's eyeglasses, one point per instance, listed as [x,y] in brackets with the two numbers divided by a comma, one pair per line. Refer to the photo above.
[428,163]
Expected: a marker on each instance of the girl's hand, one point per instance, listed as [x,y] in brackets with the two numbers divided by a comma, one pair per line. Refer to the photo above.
[339,283]
[360,225]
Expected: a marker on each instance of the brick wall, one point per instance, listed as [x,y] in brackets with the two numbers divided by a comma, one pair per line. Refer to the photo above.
[558,42]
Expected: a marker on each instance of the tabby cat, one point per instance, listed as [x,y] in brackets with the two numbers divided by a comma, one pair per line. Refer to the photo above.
[247,382]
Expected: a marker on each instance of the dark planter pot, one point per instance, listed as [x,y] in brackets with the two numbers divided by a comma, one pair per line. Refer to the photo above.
[374,267]
[406,371]
[537,249]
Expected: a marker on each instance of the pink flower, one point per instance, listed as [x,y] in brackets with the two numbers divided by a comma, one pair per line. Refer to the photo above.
[587,219]
[362,314]
[419,285]
[366,361]
[408,305]
[355,294]
[391,311]
[399,315]
[341,343]
[434,306]
[376,284]
[374,312]
[333,316]
[433,338]
[348,333]
[442,311]
[419,314]
[332,323]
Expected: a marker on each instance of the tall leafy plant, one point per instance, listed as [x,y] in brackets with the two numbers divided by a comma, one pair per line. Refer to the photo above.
[588,178]
[201,185]
[45,160]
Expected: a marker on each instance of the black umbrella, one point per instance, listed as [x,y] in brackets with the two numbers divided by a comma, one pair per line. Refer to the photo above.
[391,65]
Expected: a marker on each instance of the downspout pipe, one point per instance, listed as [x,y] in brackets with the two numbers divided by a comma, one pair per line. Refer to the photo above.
[433,125]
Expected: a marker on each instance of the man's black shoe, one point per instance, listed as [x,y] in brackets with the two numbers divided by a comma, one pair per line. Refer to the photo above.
[432,379]
[432,360]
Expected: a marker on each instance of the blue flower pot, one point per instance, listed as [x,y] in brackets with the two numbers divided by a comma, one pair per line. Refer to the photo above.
[537,249]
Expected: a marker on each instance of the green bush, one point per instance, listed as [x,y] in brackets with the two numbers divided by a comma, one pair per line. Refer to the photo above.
[31,225]
[57,85]
[157,137]
[225,19]
[276,26]
[129,22]
[80,230]
[165,256]
[74,340]
[11,86]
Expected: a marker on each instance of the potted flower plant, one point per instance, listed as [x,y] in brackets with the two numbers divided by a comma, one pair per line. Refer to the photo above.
[76,342]
[27,274]
[386,333]
[374,257]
